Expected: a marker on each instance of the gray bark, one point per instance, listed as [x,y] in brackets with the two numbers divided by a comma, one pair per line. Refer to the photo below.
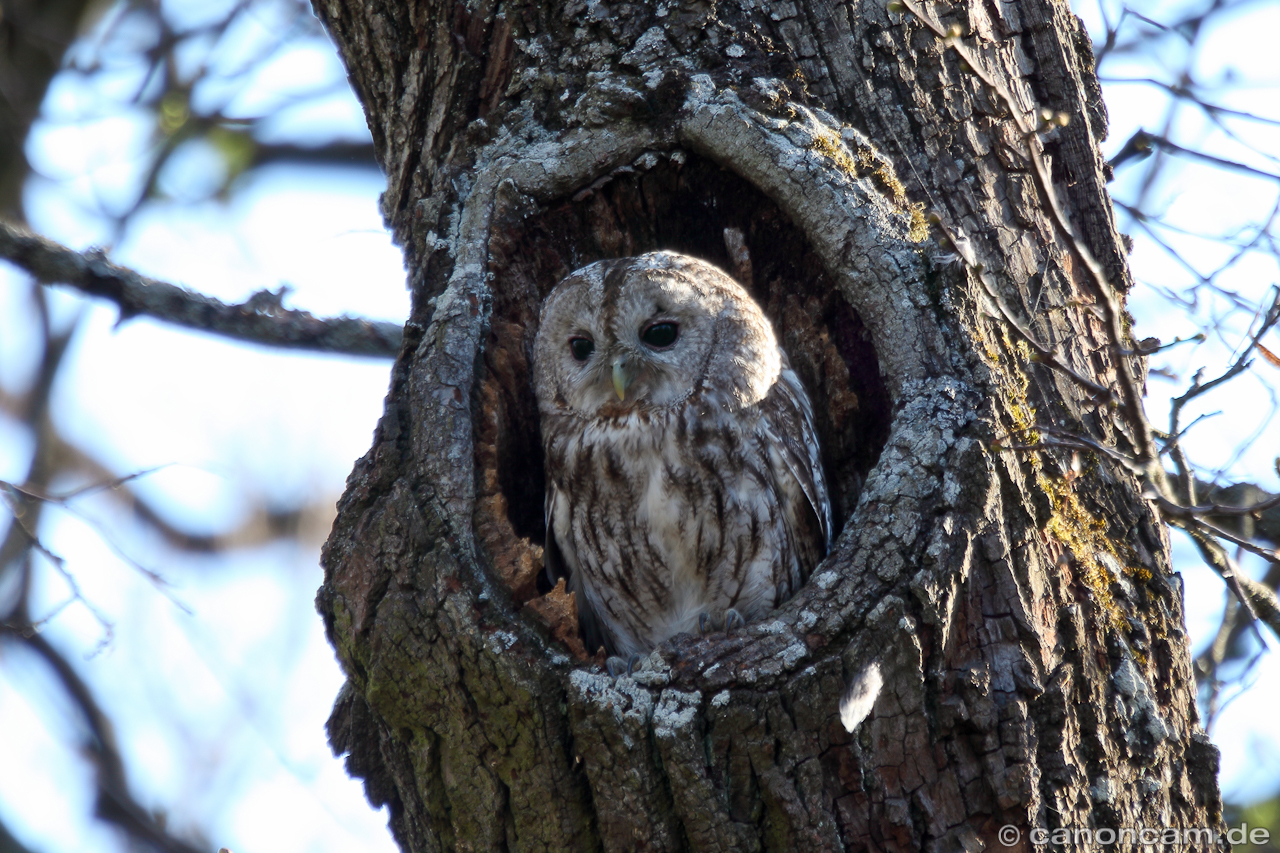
[1003,635]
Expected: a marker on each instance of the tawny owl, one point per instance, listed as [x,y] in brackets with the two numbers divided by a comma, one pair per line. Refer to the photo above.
[684,479]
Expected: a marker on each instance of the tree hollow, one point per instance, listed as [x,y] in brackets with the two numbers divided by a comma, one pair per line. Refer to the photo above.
[682,202]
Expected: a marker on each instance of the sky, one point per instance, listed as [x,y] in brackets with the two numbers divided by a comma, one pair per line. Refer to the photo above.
[218,684]
[219,681]
[238,689]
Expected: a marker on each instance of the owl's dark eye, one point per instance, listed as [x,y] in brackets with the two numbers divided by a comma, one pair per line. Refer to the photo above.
[581,348]
[660,335]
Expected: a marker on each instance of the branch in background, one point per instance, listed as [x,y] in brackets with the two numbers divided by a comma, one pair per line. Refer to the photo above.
[9,844]
[329,154]
[1185,92]
[65,502]
[34,35]
[1227,645]
[1189,518]
[1209,662]
[261,525]
[15,548]
[1257,598]
[1262,523]
[1141,144]
[115,803]
[259,319]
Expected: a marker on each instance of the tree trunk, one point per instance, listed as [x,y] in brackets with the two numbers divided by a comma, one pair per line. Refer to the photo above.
[34,35]
[996,637]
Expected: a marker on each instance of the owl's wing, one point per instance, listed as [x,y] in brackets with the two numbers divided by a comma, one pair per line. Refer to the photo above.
[552,559]
[557,567]
[788,418]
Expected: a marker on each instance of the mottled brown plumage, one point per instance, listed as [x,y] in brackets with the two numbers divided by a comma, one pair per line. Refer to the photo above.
[683,470]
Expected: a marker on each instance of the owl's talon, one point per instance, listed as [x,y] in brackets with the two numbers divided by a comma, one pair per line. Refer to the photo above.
[731,620]
[618,667]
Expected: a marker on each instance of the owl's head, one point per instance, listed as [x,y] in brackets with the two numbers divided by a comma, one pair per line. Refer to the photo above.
[651,332]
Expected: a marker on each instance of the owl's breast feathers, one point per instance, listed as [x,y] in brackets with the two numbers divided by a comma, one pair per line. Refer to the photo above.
[661,515]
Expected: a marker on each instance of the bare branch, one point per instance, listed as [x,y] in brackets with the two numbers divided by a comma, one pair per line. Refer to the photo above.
[1185,93]
[15,548]
[1258,599]
[1186,480]
[340,153]
[1226,644]
[155,578]
[1189,520]
[1261,522]
[260,319]
[1173,148]
[9,844]
[115,802]
[21,526]
[1042,354]
[1269,319]
[113,483]
[1221,509]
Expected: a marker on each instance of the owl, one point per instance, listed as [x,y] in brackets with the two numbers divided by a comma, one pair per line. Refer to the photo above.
[684,478]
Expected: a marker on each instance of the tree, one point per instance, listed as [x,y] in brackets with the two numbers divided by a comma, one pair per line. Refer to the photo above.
[1046,454]
[996,638]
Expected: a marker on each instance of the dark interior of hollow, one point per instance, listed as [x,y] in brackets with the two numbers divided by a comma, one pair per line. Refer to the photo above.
[686,207]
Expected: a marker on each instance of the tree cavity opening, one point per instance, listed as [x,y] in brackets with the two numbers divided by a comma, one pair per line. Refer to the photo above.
[685,203]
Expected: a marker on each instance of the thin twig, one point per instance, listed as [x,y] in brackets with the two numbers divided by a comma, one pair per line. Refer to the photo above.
[61,499]
[1269,319]
[1043,354]
[156,579]
[60,566]
[1189,520]
[1221,162]
[1221,509]
[1259,600]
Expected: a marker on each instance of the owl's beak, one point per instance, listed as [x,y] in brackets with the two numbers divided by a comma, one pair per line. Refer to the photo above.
[621,377]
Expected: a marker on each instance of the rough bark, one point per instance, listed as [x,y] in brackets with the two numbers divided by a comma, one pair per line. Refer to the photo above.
[1003,634]
[34,34]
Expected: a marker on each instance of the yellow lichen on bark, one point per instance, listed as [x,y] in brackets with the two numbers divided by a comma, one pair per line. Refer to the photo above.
[1070,524]
[866,160]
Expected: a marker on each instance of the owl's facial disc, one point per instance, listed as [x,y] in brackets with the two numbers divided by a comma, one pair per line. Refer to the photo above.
[631,362]
[649,335]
